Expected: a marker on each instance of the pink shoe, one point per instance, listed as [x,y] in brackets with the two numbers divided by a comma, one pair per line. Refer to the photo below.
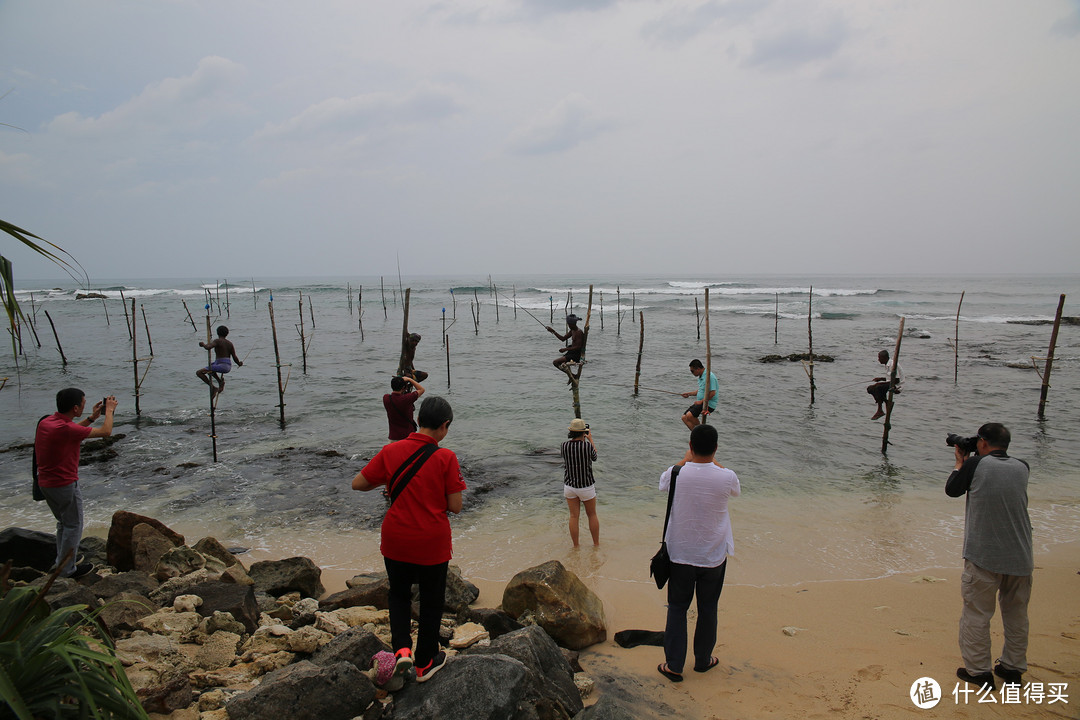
[384,663]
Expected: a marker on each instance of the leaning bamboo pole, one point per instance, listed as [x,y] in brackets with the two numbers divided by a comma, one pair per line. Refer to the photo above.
[1050,357]
[55,335]
[892,389]
[146,324]
[127,321]
[190,319]
[641,345]
[956,341]
[300,329]
[697,318]
[360,311]
[810,337]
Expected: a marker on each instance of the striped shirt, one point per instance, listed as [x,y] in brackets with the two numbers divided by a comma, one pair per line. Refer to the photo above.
[578,456]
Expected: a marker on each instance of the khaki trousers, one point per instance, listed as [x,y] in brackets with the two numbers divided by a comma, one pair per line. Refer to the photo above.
[979,589]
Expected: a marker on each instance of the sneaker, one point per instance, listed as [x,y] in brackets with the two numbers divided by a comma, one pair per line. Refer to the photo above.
[1013,677]
[982,679]
[82,569]
[404,662]
[423,674]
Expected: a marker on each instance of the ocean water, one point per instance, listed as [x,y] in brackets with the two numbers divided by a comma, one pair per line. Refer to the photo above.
[820,500]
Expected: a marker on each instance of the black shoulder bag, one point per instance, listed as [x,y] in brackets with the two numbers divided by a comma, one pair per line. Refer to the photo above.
[408,469]
[660,565]
[38,495]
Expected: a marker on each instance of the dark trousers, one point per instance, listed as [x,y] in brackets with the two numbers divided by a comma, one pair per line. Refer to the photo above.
[686,580]
[432,582]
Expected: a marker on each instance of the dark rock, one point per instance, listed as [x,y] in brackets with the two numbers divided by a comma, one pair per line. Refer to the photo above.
[119,550]
[460,593]
[148,545]
[495,621]
[551,690]
[573,659]
[607,708]
[305,691]
[28,548]
[172,692]
[560,603]
[178,561]
[210,547]
[121,613]
[237,600]
[367,589]
[65,592]
[477,687]
[132,581]
[277,577]
[355,646]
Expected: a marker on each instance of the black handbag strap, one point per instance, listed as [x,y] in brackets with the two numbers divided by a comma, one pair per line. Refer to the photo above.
[670,495]
[408,469]
[33,454]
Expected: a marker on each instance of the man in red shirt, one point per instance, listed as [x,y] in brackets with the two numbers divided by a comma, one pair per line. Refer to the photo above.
[399,406]
[415,544]
[56,446]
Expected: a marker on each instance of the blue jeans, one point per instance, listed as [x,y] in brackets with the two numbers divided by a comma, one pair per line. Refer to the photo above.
[66,505]
[685,581]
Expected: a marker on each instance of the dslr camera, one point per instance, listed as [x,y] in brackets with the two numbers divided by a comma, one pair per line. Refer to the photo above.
[967,445]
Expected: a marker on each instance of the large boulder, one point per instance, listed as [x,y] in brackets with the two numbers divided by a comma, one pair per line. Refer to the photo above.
[237,600]
[366,589]
[559,602]
[355,646]
[118,548]
[121,614]
[550,685]
[210,547]
[277,577]
[27,548]
[305,691]
[495,621]
[132,581]
[148,546]
[607,708]
[477,687]
[460,593]
[178,561]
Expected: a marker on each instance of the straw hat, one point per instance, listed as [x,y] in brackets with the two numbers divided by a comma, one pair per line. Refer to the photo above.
[578,425]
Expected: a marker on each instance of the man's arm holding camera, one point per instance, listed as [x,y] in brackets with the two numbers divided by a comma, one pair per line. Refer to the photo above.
[109,408]
[959,481]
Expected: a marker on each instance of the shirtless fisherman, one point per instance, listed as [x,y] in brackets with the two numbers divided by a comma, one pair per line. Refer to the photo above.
[576,338]
[223,351]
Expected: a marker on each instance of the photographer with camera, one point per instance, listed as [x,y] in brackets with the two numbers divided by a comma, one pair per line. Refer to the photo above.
[579,487]
[57,445]
[998,559]
[399,403]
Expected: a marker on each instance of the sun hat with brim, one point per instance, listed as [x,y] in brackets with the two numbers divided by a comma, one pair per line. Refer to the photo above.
[577,425]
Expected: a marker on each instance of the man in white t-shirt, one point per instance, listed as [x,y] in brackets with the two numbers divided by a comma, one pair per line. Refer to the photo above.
[699,540]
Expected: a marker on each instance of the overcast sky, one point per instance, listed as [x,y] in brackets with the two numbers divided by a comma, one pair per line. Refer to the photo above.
[221,138]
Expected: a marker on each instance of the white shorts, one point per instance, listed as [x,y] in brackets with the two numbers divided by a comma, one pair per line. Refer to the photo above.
[583,494]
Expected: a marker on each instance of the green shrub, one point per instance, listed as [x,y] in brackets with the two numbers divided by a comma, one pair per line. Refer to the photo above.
[58,664]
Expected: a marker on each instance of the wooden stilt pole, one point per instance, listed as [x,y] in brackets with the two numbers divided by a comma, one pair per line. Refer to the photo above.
[403,359]
[190,319]
[254,294]
[601,311]
[515,301]
[476,317]
[146,324]
[640,347]
[618,310]
[382,291]
[810,337]
[1050,357]
[708,364]
[551,309]
[697,317]
[55,335]
[446,341]
[226,297]
[300,329]
[776,321]
[37,340]
[135,357]
[892,389]
[495,299]
[277,361]
[360,311]
[127,320]
[105,305]
[213,400]
[956,341]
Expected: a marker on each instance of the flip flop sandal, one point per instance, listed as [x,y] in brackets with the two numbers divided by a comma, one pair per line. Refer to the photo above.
[662,668]
[713,662]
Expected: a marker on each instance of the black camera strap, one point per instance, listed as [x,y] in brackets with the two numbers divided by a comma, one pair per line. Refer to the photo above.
[670,496]
[408,469]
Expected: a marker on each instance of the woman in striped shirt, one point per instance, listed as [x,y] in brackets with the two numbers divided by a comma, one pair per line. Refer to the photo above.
[578,454]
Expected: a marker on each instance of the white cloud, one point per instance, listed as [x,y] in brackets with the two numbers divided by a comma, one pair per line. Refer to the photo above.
[571,122]
[170,104]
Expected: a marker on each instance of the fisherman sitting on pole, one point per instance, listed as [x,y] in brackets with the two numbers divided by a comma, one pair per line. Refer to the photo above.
[224,354]
[572,351]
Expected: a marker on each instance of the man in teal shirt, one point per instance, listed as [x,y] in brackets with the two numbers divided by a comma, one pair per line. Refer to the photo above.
[690,417]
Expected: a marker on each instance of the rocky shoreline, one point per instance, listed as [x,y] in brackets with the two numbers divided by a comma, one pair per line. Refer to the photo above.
[202,637]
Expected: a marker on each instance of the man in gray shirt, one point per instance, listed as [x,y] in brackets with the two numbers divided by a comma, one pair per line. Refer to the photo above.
[998,559]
